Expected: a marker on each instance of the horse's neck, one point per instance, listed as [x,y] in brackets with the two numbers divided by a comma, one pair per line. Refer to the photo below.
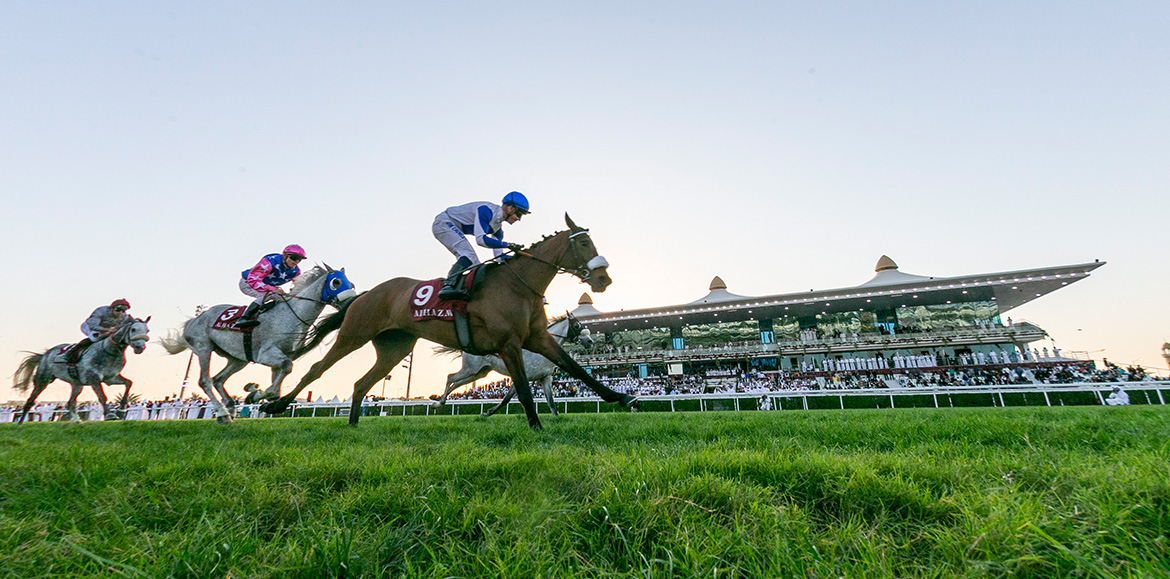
[538,273]
[559,330]
[310,299]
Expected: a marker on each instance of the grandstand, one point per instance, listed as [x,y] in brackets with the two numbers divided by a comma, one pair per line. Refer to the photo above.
[892,324]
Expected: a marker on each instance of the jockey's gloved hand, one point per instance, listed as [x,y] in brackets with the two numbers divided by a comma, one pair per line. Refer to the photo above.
[515,247]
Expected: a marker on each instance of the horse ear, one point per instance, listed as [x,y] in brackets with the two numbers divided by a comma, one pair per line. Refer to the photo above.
[327,268]
[146,320]
[569,222]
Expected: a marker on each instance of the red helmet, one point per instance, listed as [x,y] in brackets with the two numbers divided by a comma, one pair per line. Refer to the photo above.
[120,302]
[294,249]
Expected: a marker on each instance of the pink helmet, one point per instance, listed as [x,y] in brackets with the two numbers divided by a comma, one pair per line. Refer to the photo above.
[294,249]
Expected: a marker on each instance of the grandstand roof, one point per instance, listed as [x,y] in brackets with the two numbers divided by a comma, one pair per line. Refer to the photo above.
[888,289]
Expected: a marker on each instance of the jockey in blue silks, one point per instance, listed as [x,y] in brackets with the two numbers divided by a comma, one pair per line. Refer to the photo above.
[101,323]
[266,277]
[483,221]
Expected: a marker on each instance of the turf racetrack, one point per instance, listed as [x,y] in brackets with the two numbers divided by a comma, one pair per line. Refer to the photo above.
[1019,492]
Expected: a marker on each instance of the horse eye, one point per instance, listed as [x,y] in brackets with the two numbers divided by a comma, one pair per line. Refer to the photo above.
[335,283]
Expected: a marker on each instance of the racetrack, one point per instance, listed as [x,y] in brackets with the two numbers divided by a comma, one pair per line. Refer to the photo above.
[1043,492]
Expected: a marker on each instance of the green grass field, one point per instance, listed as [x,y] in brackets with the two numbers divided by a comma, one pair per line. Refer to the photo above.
[1020,492]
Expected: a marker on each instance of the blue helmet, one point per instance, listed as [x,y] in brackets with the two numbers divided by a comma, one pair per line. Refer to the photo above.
[518,200]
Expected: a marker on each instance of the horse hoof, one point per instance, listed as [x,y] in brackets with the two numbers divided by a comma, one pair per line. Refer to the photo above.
[536,426]
[223,419]
[632,403]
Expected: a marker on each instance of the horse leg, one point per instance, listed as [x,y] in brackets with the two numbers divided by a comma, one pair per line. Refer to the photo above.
[222,414]
[513,357]
[341,348]
[71,406]
[546,384]
[544,344]
[100,391]
[504,402]
[278,374]
[460,378]
[391,348]
[120,379]
[32,399]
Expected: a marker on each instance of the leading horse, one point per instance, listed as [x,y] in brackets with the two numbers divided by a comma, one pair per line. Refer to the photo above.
[505,315]
[102,362]
[276,342]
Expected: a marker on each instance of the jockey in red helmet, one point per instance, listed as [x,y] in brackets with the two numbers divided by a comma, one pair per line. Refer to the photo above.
[266,277]
[101,323]
[482,220]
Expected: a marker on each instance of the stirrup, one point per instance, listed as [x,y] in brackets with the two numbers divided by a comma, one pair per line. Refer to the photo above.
[453,294]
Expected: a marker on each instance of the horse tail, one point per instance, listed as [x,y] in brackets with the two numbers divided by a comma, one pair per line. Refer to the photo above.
[173,342]
[26,371]
[447,351]
[322,329]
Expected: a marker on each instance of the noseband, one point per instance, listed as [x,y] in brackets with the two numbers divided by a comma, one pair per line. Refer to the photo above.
[584,272]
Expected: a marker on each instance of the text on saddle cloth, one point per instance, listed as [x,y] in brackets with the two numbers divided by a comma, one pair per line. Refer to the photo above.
[426,305]
[227,320]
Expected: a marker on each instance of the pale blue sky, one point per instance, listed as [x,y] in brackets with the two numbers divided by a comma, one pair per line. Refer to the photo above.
[153,150]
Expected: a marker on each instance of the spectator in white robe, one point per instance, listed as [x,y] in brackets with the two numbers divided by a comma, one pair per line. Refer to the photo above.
[1118,397]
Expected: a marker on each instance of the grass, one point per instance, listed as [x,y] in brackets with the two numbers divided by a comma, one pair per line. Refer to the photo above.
[1019,492]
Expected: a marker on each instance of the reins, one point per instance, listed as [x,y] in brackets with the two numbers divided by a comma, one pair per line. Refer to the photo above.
[582,272]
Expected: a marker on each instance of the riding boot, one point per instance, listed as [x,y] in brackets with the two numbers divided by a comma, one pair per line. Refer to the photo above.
[248,320]
[451,289]
[74,353]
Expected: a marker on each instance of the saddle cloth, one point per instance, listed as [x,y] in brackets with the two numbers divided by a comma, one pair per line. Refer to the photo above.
[227,320]
[426,305]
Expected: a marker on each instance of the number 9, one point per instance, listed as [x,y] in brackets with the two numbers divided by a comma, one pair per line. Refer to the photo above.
[423,295]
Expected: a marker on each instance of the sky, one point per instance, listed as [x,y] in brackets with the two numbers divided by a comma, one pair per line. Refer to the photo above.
[154,150]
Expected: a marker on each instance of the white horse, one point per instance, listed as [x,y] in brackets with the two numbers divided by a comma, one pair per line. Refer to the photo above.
[276,342]
[536,367]
[102,362]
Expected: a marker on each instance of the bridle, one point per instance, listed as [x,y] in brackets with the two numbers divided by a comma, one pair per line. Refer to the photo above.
[583,271]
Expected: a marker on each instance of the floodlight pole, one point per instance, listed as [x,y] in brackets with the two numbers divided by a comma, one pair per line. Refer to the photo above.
[409,371]
[186,375]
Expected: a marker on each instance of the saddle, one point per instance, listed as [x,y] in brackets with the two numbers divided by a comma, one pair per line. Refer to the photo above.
[426,305]
[227,321]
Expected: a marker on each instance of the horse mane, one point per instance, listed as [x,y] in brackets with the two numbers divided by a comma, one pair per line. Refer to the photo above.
[307,278]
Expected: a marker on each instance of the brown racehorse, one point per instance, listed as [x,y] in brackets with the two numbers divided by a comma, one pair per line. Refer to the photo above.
[505,314]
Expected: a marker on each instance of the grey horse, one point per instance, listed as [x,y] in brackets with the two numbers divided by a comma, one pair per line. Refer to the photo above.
[101,363]
[536,367]
[276,342]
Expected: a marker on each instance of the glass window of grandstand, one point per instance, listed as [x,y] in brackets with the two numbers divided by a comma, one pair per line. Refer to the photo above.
[945,317]
[845,324]
[649,339]
[722,334]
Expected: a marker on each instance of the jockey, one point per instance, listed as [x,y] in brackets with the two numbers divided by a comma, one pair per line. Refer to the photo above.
[482,220]
[101,323]
[265,279]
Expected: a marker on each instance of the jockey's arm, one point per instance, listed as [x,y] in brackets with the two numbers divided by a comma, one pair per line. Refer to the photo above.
[484,235]
[255,279]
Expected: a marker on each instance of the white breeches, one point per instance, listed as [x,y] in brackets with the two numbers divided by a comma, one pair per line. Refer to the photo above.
[248,291]
[451,236]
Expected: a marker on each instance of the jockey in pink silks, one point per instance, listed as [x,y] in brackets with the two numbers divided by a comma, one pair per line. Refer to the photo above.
[266,277]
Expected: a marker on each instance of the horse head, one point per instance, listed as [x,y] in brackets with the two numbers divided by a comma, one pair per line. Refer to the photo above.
[578,332]
[133,333]
[334,289]
[583,260]
[337,288]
